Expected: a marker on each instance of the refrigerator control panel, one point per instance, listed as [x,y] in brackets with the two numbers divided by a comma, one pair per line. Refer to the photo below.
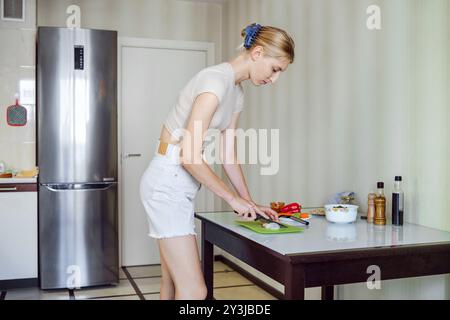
[79,57]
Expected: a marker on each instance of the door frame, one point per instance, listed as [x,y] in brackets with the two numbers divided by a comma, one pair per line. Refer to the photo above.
[124,42]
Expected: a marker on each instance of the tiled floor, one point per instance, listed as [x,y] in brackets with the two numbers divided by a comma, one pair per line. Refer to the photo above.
[139,283]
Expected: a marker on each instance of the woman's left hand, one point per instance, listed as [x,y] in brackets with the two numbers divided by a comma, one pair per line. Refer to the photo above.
[273,215]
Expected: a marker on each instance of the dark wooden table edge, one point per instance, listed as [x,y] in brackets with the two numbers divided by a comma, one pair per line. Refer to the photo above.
[357,253]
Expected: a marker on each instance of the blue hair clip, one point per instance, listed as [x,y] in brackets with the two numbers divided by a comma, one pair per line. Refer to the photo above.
[251,32]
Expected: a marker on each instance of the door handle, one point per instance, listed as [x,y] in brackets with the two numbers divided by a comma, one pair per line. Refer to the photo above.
[132,155]
[8,189]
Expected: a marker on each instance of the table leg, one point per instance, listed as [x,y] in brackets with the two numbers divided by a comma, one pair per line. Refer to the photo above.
[208,263]
[327,292]
[294,285]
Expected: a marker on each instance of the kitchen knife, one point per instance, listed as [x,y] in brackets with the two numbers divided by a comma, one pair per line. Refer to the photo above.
[299,220]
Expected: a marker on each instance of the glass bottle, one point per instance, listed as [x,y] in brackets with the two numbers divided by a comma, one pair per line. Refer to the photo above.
[397,202]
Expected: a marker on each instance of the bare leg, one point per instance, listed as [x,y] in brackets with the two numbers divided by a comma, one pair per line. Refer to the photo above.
[181,257]
[167,286]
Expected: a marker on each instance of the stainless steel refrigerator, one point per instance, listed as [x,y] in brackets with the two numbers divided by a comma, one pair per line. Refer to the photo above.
[77,157]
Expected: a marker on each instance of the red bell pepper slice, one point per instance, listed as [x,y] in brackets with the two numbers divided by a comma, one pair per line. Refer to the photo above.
[291,208]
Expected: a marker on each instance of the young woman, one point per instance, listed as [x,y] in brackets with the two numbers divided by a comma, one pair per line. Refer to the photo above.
[213,98]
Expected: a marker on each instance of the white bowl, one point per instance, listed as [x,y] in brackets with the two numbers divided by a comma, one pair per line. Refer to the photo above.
[341,213]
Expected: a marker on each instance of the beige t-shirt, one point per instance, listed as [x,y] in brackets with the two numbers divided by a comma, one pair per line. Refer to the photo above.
[219,80]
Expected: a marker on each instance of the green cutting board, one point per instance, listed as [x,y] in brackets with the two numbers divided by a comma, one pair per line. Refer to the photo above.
[257,227]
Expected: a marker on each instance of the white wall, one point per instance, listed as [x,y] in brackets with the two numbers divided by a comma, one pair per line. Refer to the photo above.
[155,19]
[357,107]
[17,63]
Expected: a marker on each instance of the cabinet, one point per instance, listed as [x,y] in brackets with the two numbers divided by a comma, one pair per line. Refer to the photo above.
[18,232]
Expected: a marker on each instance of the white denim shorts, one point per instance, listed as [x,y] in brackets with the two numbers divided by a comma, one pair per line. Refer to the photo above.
[168,194]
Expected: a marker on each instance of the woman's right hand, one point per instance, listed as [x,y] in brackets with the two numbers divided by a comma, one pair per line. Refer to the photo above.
[246,209]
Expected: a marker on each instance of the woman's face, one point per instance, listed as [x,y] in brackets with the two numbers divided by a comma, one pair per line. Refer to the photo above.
[266,70]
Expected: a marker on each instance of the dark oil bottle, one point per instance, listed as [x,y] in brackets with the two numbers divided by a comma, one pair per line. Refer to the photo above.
[397,202]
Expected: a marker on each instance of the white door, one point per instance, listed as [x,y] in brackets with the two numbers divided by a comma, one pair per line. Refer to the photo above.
[151,74]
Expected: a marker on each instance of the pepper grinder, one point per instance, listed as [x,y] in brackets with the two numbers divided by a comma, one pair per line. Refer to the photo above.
[380,211]
[371,207]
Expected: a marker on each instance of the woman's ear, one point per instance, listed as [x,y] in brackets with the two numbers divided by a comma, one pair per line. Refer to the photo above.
[257,53]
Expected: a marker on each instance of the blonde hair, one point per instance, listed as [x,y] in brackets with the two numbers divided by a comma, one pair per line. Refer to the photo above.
[276,42]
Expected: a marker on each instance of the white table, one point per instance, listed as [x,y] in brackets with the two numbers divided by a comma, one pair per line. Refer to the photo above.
[326,254]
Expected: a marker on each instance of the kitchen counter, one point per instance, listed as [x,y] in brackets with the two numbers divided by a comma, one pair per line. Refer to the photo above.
[17,180]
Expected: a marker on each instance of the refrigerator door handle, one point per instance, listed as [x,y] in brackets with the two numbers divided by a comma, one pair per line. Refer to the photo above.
[132,155]
[79,187]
